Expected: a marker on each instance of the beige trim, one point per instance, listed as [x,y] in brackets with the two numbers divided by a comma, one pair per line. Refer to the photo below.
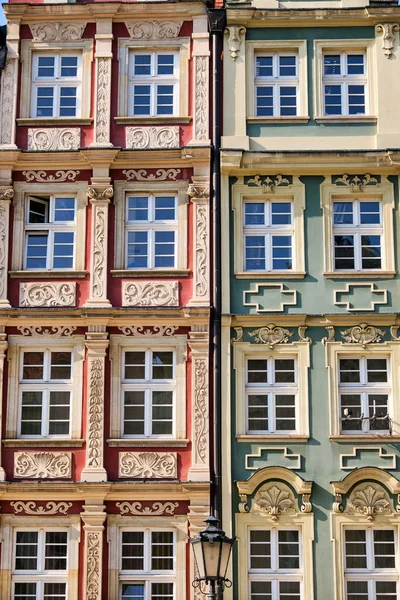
[360,274]
[301,350]
[18,343]
[296,194]
[153,443]
[146,273]
[364,474]
[272,437]
[122,189]
[286,120]
[152,120]
[22,191]
[37,443]
[28,47]
[55,122]
[346,119]
[382,192]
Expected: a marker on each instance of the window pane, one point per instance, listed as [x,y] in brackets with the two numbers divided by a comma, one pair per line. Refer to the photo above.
[56,551]
[31,413]
[288,544]
[164,249]
[141,99]
[254,213]
[68,101]
[162,591]
[343,213]
[142,64]
[165,64]
[36,250]
[26,550]
[284,370]
[257,371]
[164,208]
[135,365]
[138,208]
[386,590]
[165,99]
[137,250]
[378,411]
[38,211]
[289,590]
[287,101]
[63,250]
[162,550]
[134,413]
[285,412]
[60,365]
[344,251]
[265,102]
[384,549]
[162,365]
[281,213]
[287,66]
[355,549]
[133,591]
[46,66]
[33,365]
[349,370]
[64,210]
[261,590]
[357,590]
[257,412]
[260,549]
[264,66]
[281,252]
[370,213]
[162,411]
[54,591]
[356,94]
[333,99]
[44,102]
[69,66]
[25,591]
[377,370]
[132,550]
[350,412]
[255,252]
[332,64]
[59,413]
[371,251]
[355,64]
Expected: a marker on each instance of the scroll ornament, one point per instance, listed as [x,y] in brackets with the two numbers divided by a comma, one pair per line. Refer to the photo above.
[148,465]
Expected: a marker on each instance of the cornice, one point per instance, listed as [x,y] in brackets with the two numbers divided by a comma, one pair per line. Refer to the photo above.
[311,320]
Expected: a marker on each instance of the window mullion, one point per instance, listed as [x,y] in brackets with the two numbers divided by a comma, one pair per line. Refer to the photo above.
[271,412]
[45,411]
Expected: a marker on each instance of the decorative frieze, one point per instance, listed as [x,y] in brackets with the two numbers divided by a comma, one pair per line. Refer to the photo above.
[42,177]
[141,138]
[103,88]
[388,31]
[235,35]
[47,294]
[148,465]
[157,508]
[56,331]
[271,335]
[150,293]
[201,113]
[356,183]
[199,193]
[57,32]
[42,465]
[269,184]
[31,508]
[269,297]
[159,175]
[156,331]
[8,102]
[360,297]
[154,30]
[363,334]
[54,138]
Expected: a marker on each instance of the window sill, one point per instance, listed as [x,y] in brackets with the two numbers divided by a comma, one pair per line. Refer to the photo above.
[365,437]
[346,119]
[134,273]
[42,443]
[32,122]
[141,443]
[47,274]
[270,275]
[273,437]
[151,120]
[288,120]
[359,274]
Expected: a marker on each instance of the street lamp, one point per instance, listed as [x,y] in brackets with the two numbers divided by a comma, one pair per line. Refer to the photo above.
[212,550]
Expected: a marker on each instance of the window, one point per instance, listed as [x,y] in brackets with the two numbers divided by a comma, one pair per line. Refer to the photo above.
[275,564]
[40,568]
[364,392]
[271,392]
[50,233]
[268,235]
[153,83]
[370,564]
[148,387]
[357,234]
[277,85]
[151,231]
[56,85]
[344,83]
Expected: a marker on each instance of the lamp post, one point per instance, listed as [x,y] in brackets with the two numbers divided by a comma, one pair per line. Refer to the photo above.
[212,550]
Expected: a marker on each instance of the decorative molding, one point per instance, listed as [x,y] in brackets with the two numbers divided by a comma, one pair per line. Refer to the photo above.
[201,252]
[274,499]
[388,30]
[150,293]
[56,331]
[7,101]
[358,450]
[356,183]
[6,193]
[93,568]
[43,465]
[4,220]
[200,410]
[271,334]
[331,335]
[141,138]
[198,192]
[54,138]
[57,32]
[268,184]
[102,124]
[369,500]
[158,508]
[148,465]
[156,331]
[31,508]
[47,294]
[100,193]
[201,132]
[100,221]
[302,334]
[59,177]
[270,286]
[239,335]
[293,460]
[236,34]
[154,30]
[363,334]
[373,290]
[394,333]
[96,412]
[159,175]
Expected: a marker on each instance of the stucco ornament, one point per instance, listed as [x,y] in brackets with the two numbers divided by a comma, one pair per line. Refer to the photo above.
[269,184]
[54,138]
[387,29]
[56,331]
[150,293]
[7,101]
[43,465]
[57,32]
[59,176]
[331,334]
[356,183]
[271,335]
[93,572]
[394,333]
[239,335]
[152,137]
[369,500]
[198,192]
[200,98]
[47,294]
[6,193]
[159,175]
[200,409]
[96,375]
[156,331]
[31,508]
[273,500]
[201,262]
[236,35]
[302,334]
[4,212]
[103,100]
[363,334]
[154,30]
[148,465]
[157,508]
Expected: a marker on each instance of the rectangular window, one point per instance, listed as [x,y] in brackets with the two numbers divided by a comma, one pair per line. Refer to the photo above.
[268,235]
[45,392]
[276,85]
[357,235]
[370,564]
[364,394]
[40,565]
[148,388]
[151,232]
[50,233]
[153,83]
[56,84]
[271,395]
[275,564]
[344,82]
[147,565]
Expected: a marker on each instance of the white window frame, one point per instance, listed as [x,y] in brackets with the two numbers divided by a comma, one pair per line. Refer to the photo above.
[120,344]
[50,227]
[17,345]
[344,80]
[367,47]
[294,193]
[56,83]
[151,226]
[276,81]
[381,192]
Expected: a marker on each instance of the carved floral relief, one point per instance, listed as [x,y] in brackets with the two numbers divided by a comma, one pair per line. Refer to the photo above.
[148,465]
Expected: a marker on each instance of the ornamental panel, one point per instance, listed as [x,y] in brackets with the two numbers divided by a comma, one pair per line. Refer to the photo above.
[47,294]
[42,465]
[150,293]
[54,138]
[148,465]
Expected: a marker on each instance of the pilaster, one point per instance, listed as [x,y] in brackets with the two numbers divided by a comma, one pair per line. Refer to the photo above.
[103,58]
[3,348]
[199,193]
[6,195]
[201,61]
[93,518]
[9,83]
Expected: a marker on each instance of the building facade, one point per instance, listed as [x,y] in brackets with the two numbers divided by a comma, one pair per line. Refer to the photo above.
[104,299]
[310,299]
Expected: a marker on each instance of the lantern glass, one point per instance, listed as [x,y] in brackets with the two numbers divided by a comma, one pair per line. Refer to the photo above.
[226,547]
[211,552]
[197,544]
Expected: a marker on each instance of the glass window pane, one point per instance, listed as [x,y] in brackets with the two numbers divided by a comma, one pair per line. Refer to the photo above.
[355,549]
[343,213]
[165,64]
[69,66]
[56,551]
[33,365]
[135,365]
[61,365]
[255,253]
[26,550]
[31,413]
[332,64]
[349,370]
[257,371]
[25,591]
[137,251]
[142,64]
[132,551]
[134,413]
[261,590]
[264,101]
[165,208]
[36,250]
[162,591]
[133,591]
[68,101]
[350,412]
[289,590]
[254,213]
[264,66]
[384,549]
[162,550]
[287,66]
[257,418]
[162,365]
[46,66]
[288,547]
[260,549]
[44,102]
[386,590]
[162,413]
[284,370]
[281,213]
[355,64]
[285,412]
[63,250]
[38,211]
[64,210]
[59,413]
